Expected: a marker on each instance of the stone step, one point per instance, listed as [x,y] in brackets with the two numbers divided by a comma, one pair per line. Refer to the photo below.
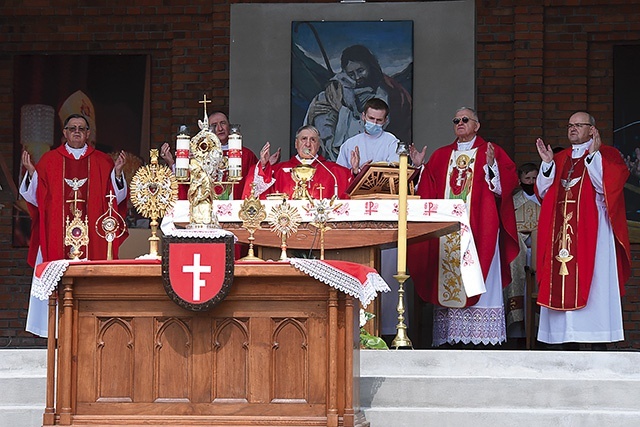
[22,391]
[23,360]
[23,381]
[524,393]
[21,416]
[499,388]
[496,417]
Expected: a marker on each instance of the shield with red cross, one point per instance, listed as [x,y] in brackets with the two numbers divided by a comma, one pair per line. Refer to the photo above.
[197,272]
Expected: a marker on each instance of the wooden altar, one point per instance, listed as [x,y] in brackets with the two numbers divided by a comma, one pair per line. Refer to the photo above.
[353,241]
[281,350]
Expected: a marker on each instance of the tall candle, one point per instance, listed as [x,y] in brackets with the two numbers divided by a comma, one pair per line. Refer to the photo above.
[234,155]
[182,155]
[402,214]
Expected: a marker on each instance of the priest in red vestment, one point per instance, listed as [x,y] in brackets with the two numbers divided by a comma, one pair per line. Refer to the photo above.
[328,180]
[583,257]
[72,176]
[482,174]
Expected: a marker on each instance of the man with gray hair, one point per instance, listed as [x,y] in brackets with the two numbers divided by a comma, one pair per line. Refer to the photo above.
[328,180]
[482,175]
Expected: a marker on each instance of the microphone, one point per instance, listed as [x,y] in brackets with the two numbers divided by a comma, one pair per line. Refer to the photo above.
[335,180]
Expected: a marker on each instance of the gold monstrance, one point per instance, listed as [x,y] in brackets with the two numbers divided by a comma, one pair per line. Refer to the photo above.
[284,220]
[321,209]
[110,225]
[252,213]
[207,165]
[154,190]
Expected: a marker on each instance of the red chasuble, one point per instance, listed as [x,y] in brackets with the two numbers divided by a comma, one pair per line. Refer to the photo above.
[567,244]
[321,185]
[54,198]
[489,215]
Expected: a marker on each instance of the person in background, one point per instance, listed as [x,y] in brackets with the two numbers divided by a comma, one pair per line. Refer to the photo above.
[583,256]
[48,189]
[482,174]
[372,145]
[527,207]
[337,111]
[328,180]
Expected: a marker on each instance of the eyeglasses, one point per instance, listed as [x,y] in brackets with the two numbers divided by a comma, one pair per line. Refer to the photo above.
[577,125]
[76,128]
[464,119]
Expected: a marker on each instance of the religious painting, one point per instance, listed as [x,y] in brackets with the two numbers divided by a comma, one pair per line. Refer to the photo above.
[337,66]
[109,90]
[626,123]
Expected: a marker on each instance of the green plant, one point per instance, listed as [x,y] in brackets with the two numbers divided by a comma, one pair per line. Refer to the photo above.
[366,339]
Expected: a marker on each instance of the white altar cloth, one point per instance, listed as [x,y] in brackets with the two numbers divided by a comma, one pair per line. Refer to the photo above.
[419,210]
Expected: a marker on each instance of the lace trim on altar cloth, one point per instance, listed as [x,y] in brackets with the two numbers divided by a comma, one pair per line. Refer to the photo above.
[203,233]
[469,325]
[341,280]
[44,284]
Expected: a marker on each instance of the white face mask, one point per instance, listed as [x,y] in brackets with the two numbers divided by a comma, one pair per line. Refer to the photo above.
[372,128]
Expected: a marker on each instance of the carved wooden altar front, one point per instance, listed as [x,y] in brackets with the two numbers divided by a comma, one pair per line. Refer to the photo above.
[281,349]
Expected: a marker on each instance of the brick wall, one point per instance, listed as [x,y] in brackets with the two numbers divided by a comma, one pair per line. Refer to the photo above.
[536,64]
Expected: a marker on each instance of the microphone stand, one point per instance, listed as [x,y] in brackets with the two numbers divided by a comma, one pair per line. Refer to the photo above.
[335,180]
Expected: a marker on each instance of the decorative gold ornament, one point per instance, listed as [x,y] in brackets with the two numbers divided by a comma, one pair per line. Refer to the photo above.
[206,168]
[252,213]
[76,230]
[154,190]
[301,175]
[284,220]
[110,225]
[76,235]
[321,209]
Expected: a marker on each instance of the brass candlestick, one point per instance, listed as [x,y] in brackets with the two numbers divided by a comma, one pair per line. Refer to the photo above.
[401,339]
[154,190]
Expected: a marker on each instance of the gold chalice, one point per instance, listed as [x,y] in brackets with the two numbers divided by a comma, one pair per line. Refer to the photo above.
[301,175]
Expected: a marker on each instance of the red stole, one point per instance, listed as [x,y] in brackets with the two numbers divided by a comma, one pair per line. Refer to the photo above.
[571,291]
[54,194]
[570,280]
[490,217]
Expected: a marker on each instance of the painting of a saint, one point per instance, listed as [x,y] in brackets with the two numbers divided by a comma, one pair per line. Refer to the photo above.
[338,66]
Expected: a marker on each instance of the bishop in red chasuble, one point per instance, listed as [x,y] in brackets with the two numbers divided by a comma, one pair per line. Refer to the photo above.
[483,175]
